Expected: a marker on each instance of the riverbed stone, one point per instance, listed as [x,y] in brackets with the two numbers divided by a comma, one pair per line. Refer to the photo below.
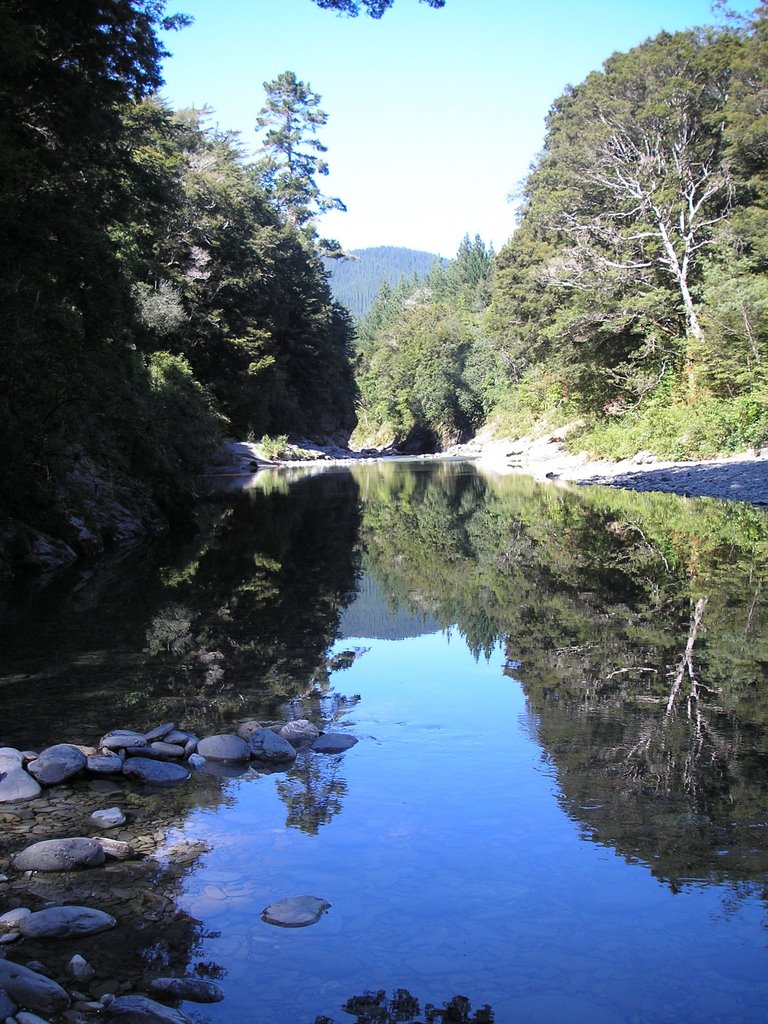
[24,1017]
[333,743]
[266,745]
[196,990]
[225,747]
[159,732]
[196,761]
[15,782]
[163,751]
[33,990]
[57,763]
[7,1005]
[245,729]
[123,739]
[11,919]
[181,737]
[65,922]
[115,849]
[110,817]
[295,911]
[104,764]
[79,969]
[300,732]
[156,773]
[60,855]
[141,1010]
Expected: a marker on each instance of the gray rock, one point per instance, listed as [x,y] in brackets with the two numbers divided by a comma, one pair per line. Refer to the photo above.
[295,912]
[33,990]
[333,743]
[156,773]
[300,732]
[7,1005]
[225,747]
[104,764]
[115,849]
[245,729]
[60,855]
[15,783]
[79,969]
[196,761]
[23,1017]
[127,739]
[65,922]
[194,989]
[190,747]
[141,1010]
[11,919]
[163,751]
[57,763]
[111,817]
[266,745]
[159,732]
[180,737]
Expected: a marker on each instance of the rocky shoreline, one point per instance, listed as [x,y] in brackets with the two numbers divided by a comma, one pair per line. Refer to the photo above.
[56,799]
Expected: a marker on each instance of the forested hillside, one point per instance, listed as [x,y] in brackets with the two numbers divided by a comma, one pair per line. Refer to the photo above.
[355,281]
[157,290]
[633,297]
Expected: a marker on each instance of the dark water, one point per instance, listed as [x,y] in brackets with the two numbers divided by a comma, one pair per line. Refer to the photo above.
[558,807]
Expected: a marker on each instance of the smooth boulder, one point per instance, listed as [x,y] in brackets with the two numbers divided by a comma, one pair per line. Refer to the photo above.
[123,739]
[33,990]
[7,1005]
[156,773]
[300,732]
[333,743]
[295,912]
[104,764]
[141,1010]
[57,763]
[60,855]
[110,817]
[266,745]
[65,922]
[226,748]
[196,990]
[15,783]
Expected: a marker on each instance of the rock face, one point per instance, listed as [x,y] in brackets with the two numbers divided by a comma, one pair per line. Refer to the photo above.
[60,855]
[158,773]
[226,748]
[15,783]
[65,922]
[140,1010]
[194,989]
[300,732]
[295,912]
[333,743]
[31,989]
[57,763]
[266,745]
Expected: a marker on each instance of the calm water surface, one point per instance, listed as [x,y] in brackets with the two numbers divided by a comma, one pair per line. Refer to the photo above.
[557,806]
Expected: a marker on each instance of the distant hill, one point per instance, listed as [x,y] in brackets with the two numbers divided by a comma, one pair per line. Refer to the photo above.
[355,283]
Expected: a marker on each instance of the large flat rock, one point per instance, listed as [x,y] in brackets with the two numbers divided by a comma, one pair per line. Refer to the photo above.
[156,773]
[65,922]
[196,990]
[60,855]
[141,1010]
[295,912]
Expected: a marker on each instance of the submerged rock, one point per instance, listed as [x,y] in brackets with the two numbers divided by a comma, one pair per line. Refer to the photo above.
[141,1010]
[60,855]
[65,922]
[79,969]
[225,747]
[158,773]
[266,745]
[295,912]
[111,817]
[333,743]
[31,989]
[194,989]
[7,1005]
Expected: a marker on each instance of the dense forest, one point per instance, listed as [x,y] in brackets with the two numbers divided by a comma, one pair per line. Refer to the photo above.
[356,280]
[632,299]
[160,291]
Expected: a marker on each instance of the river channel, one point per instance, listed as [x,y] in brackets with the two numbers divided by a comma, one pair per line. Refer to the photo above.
[557,807]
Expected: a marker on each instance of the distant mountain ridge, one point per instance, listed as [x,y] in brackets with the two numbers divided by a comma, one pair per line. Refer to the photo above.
[355,283]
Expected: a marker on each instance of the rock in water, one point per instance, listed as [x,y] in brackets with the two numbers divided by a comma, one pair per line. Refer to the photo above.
[299,732]
[268,746]
[60,855]
[65,922]
[295,912]
[333,743]
[194,989]
[140,1010]
[157,773]
[7,1005]
[31,989]
[123,739]
[15,783]
[57,763]
[227,748]
[104,764]
[111,817]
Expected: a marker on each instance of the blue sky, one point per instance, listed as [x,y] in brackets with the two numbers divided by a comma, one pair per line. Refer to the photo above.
[434,116]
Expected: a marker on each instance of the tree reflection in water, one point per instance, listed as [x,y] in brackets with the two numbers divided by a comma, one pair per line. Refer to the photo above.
[403,1008]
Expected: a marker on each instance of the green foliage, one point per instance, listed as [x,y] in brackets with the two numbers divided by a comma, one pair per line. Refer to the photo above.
[374,8]
[274,447]
[357,279]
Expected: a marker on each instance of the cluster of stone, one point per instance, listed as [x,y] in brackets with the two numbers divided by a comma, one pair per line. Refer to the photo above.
[164,756]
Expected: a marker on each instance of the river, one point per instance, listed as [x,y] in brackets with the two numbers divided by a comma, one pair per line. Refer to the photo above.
[557,807]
